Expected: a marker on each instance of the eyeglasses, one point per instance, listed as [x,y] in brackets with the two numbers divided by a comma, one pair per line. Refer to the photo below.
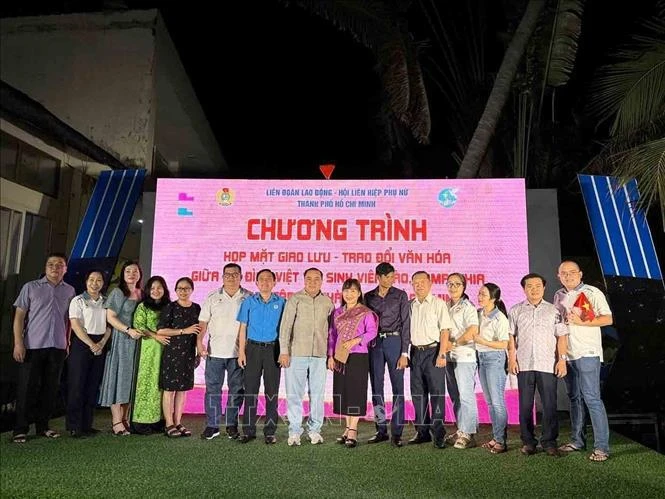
[453,284]
[231,275]
[569,274]
[183,289]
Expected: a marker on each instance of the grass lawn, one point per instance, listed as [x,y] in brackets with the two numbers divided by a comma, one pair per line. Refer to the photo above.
[155,466]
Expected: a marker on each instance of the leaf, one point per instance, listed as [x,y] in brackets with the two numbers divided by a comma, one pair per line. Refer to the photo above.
[565,39]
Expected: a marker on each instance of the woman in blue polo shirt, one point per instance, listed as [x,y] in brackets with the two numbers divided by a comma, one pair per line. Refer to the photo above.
[491,342]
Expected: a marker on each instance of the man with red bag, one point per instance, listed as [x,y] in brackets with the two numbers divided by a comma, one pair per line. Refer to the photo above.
[586,310]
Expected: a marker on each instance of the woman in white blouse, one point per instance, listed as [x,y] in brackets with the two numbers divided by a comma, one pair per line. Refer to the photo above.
[85,364]
[491,343]
[461,364]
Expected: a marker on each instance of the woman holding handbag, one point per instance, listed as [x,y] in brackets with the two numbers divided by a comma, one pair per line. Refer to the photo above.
[352,328]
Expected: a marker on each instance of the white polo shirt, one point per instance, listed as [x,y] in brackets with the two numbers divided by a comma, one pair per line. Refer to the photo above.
[91,313]
[428,319]
[220,311]
[583,341]
[463,315]
[493,327]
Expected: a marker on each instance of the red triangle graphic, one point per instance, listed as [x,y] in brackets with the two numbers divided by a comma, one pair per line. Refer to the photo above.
[327,170]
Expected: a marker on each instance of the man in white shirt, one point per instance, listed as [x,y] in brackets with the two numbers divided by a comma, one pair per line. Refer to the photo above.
[430,331]
[218,319]
[586,310]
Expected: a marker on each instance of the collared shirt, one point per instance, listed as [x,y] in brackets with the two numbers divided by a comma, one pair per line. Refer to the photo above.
[493,327]
[536,329]
[262,317]
[394,312]
[90,313]
[220,311]
[584,341]
[428,318]
[463,315]
[303,331]
[47,307]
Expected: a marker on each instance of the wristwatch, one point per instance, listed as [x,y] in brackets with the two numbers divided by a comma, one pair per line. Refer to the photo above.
[564,357]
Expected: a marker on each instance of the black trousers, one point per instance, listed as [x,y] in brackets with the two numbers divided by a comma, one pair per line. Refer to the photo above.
[84,374]
[527,382]
[428,387]
[37,388]
[261,359]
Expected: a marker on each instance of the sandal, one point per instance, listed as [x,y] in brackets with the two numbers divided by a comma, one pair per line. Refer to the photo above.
[118,433]
[50,434]
[351,442]
[183,431]
[342,439]
[599,456]
[19,438]
[126,423]
[569,448]
[498,448]
[172,431]
[489,445]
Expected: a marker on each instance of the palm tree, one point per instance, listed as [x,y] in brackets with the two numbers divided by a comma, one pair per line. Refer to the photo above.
[381,26]
[500,93]
[630,92]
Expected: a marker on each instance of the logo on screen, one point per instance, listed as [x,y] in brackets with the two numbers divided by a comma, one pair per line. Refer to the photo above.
[225,196]
[448,197]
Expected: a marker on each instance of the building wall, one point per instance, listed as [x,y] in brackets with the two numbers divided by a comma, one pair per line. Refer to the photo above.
[93,71]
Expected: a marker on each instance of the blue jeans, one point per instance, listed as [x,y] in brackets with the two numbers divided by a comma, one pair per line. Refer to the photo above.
[301,371]
[387,351]
[461,388]
[583,384]
[214,375]
[492,372]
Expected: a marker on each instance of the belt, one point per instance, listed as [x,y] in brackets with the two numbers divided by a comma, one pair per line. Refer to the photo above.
[262,343]
[426,347]
[385,334]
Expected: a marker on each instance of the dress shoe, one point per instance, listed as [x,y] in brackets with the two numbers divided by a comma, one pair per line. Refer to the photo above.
[552,451]
[396,442]
[420,439]
[379,437]
[528,450]
[439,443]
[91,432]
[76,434]
[246,438]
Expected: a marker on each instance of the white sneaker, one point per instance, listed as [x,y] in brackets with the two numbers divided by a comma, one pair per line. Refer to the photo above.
[315,437]
[293,440]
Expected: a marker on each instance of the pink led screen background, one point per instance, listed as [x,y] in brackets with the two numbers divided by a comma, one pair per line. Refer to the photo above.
[476,227]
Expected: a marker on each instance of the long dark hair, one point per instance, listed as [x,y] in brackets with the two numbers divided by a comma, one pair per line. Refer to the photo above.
[495,294]
[463,279]
[123,285]
[148,301]
[353,283]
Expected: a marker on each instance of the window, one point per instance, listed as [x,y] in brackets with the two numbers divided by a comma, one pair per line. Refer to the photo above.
[28,166]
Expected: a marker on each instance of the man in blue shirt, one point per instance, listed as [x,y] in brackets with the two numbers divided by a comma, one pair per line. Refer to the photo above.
[258,351]
[391,348]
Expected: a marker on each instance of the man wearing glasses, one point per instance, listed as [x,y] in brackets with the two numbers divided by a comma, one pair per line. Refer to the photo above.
[218,319]
[585,310]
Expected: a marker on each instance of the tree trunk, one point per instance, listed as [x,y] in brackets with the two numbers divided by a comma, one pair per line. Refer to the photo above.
[500,91]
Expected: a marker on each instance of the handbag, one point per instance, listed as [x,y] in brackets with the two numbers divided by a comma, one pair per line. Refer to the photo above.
[341,354]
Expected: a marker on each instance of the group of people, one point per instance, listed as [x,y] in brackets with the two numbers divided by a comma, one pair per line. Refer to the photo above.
[247,337]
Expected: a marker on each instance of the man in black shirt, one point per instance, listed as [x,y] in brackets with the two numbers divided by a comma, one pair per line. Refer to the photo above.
[391,348]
